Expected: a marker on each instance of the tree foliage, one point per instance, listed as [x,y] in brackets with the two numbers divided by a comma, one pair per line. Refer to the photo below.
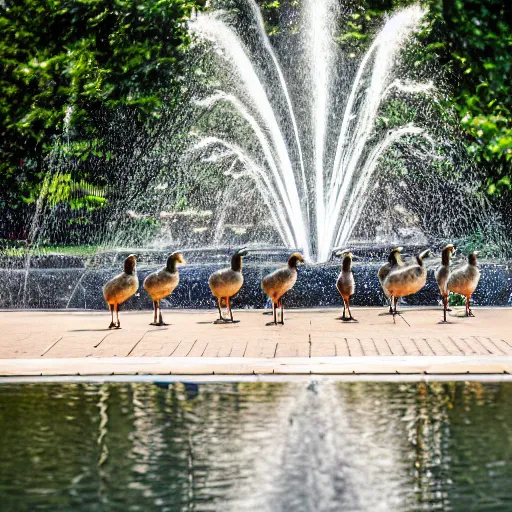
[66,62]
[475,37]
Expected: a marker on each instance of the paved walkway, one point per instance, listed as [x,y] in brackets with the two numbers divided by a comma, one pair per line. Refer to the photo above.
[312,341]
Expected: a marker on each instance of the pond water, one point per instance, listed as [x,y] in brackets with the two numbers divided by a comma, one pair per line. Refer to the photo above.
[301,446]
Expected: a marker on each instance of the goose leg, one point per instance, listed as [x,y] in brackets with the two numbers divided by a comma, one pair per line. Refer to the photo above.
[118,325]
[274,313]
[445,307]
[350,317]
[155,307]
[395,312]
[228,304]
[160,319]
[344,316]
[468,306]
[219,320]
[390,311]
[112,324]
[282,312]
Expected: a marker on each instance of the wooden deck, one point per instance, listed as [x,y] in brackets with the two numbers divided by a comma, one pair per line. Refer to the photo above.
[311,341]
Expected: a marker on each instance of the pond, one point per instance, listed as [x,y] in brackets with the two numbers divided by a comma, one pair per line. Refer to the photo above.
[297,446]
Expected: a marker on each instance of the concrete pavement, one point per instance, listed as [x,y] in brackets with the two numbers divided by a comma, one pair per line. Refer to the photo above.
[312,341]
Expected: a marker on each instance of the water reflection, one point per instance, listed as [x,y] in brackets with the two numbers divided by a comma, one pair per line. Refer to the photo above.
[256,446]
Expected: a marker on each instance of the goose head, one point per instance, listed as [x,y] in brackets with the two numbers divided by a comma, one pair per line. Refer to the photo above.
[395,256]
[295,259]
[472,257]
[346,264]
[173,259]
[447,253]
[422,255]
[130,263]
[236,259]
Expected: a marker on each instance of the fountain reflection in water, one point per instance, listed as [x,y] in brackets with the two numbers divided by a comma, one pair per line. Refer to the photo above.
[302,446]
[314,206]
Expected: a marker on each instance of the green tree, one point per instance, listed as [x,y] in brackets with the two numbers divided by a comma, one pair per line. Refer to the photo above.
[477,38]
[74,64]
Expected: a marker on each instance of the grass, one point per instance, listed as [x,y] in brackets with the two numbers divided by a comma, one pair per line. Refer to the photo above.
[68,250]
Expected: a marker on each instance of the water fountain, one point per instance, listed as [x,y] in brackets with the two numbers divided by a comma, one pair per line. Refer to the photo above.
[315,200]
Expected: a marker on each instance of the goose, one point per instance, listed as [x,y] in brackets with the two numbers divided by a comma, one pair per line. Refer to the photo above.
[162,283]
[121,288]
[408,279]
[346,284]
[442,273]
[227,282]
[394,260]
[464,280]
[276,284]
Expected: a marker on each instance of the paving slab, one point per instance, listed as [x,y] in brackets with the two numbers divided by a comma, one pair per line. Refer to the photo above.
[311,341]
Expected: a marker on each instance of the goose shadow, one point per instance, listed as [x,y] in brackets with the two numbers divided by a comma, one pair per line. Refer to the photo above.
[91,330]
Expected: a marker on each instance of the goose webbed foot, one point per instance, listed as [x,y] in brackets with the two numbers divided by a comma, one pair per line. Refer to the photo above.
[470,313]
[271,323]
[222,321]
[112,325]
[118,325]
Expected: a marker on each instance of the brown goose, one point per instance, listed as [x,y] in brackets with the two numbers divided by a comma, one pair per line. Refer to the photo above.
[408,279]
[346,284]
[442,273]
[227,282]
[464,280]
[276,284]
[394,260]
[162,283]
[121,288]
